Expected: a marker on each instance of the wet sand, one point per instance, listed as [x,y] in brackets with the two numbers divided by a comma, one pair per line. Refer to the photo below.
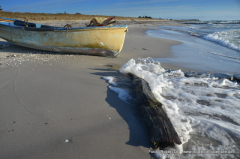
[58,106]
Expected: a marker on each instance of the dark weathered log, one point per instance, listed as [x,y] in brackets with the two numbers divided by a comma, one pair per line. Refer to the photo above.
[161,128]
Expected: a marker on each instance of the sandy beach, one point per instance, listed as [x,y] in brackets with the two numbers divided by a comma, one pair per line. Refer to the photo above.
[59,106]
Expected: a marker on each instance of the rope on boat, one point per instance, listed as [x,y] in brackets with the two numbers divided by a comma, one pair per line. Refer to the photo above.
[67,26]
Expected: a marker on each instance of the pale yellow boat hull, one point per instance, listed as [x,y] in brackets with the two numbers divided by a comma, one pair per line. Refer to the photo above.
[103,41]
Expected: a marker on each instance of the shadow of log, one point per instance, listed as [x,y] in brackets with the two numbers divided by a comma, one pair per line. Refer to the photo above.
[138,128]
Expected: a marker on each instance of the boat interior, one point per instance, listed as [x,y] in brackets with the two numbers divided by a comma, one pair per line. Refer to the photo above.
[40,27]
[26,25]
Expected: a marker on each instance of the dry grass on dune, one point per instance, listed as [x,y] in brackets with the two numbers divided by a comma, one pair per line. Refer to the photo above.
[59,16]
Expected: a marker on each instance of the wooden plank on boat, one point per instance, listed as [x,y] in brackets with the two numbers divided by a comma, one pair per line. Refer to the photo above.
[161,128]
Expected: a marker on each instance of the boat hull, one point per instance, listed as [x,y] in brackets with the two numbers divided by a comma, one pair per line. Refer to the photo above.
[103,41]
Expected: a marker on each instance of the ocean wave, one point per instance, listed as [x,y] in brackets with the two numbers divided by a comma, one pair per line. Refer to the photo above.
[207,106]
[229,38]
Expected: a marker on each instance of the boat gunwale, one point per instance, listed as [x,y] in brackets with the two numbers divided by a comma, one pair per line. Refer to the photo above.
[61,28]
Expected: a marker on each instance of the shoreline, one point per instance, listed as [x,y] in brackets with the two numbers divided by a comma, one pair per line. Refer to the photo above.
[58,106]
[197,53]
[157,48]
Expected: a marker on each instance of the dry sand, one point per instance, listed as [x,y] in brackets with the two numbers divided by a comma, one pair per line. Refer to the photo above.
[58,106]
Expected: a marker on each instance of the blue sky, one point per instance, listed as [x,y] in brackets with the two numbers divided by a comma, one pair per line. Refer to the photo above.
[167,9]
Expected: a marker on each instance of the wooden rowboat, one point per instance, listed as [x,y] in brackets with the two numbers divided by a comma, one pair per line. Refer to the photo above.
[94,40]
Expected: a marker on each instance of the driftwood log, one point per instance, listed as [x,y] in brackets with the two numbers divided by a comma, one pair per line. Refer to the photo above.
[161,128]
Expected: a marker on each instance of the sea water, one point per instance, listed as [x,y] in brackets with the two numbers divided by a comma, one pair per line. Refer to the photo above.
[203,108]
[205,47]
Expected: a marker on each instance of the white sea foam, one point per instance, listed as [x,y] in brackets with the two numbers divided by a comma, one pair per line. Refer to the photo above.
[122,93]
[155,75]
[110,80]
[229,38]
[207,107]
[193,27]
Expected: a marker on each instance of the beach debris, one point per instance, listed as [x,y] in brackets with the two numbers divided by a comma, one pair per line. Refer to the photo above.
[162,131]
[66,140]
[109,117]
[98,21]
